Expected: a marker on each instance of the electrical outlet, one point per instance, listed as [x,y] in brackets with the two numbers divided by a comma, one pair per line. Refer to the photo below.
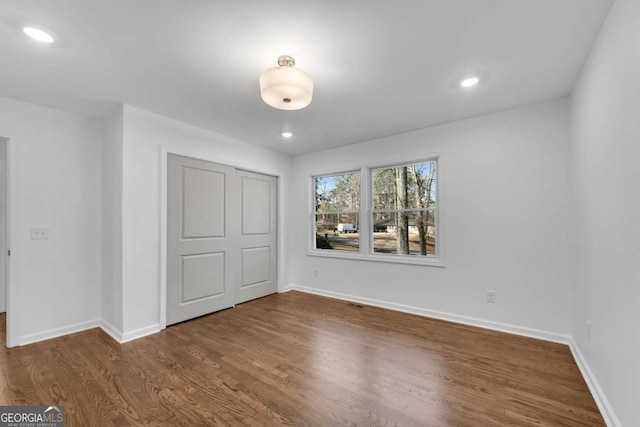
[491,297]
[588,329]
[39,233]
[315,273]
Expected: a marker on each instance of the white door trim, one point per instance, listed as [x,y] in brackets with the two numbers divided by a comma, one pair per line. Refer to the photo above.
[12,302]
[164,206]
[4,247]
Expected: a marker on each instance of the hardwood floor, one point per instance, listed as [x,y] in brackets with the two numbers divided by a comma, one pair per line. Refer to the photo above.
[298,359]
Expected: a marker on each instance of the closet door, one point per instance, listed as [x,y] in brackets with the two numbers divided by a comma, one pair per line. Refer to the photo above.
[258,236]
[203,221]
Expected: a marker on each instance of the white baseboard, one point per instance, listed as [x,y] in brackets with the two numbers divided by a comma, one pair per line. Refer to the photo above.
[604,406]
[141,332]
[594,387]
[600,398]
[58,332]
[466,320]
[83,326]
[111,330]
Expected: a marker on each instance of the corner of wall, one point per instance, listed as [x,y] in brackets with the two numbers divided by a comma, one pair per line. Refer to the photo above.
[604,234]
[598,394]
[112,158]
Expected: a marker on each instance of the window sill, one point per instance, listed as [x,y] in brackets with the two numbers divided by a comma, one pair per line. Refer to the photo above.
[390,259]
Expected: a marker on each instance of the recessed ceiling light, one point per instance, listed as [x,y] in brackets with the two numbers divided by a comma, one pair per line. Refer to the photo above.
[469,82]
[286,134]
[38,35]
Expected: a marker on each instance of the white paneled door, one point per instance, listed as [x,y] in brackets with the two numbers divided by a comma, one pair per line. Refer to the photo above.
[258,220]
[221,237]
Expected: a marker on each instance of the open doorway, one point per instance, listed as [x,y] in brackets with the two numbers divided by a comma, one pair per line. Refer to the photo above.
[4,239]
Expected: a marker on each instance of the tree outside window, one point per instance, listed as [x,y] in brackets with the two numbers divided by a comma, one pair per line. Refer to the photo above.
[337,210]
[401,214]
[404,201]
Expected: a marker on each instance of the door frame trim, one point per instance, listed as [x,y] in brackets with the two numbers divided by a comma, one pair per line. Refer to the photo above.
[165,150]
[12,302]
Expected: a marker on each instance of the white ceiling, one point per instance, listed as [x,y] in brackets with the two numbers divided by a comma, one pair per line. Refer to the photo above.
[380,67]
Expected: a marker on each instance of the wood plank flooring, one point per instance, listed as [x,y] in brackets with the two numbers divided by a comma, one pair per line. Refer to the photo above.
[298,359]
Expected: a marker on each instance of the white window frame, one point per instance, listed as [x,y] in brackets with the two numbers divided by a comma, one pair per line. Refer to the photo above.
[340,254]
[366,216]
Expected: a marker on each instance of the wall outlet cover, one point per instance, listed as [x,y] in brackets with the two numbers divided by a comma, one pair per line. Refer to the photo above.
[39,233]
[491,297]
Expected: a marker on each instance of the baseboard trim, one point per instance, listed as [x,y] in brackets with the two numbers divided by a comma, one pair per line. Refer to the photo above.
[58,332]
[598,394]
[83,326]
[111,330]
[604,406]
[592,383]
[140,332]
[465,320]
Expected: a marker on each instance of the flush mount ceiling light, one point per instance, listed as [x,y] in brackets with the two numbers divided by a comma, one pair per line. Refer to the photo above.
[469,82]
[285,87]
[38,35]
[287,134]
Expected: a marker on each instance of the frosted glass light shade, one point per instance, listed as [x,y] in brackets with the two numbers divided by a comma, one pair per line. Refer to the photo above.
[286,88]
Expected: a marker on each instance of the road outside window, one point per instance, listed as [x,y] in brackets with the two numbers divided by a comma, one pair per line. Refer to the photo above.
[337,210]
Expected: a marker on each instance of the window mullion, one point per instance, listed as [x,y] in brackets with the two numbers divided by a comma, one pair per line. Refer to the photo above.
[365,208]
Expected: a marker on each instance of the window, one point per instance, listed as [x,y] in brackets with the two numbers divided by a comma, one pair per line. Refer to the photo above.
[403,217]
[399,222]
[337,212]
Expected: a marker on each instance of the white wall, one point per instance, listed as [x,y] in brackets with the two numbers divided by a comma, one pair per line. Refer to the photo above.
[605,154]
[96,186]
[504,207]
[55,176]
[144,134]
[112,223]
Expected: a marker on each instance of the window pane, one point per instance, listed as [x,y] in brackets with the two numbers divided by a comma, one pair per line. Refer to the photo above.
[408,233]
[338,193]
[337,202]
[405,187]
[337,232]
